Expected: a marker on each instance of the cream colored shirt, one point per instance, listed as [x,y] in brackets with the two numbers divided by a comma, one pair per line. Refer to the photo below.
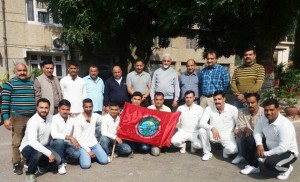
[248,120]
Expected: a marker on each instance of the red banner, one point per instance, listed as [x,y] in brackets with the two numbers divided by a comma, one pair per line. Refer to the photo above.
[147,126]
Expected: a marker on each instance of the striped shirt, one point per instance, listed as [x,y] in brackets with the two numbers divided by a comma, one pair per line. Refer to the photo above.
[248,79]
[18,98]
[213,79]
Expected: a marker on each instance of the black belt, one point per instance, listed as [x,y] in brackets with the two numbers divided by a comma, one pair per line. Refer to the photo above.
[210,95]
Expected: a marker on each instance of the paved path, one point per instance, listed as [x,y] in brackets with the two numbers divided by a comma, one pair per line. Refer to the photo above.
[170,166]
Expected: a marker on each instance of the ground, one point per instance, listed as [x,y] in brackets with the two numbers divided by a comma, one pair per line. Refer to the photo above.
[169,166]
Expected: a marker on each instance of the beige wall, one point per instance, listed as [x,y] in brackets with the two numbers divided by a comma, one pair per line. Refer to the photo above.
[23,36]
[180,54]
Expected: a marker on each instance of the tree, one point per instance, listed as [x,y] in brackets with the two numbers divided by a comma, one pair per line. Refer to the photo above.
[225,25]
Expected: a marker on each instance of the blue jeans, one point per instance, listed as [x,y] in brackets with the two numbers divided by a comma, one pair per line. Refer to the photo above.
[36,158]
[85,158]
[65,150]
[239,104]
[121,149]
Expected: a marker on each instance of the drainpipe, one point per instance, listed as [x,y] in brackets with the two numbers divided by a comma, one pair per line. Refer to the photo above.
[4,38]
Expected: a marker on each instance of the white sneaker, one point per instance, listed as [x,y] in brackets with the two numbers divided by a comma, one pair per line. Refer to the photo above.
[193,150]
[183,148]
[250,170]
[286,174]
[108,159]
[225,155]
[207,156]
[237,159]
[62,169]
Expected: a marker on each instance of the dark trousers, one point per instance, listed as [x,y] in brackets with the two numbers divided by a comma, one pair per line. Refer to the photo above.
[169,102]
[250,151]
[36,158]
[280,162]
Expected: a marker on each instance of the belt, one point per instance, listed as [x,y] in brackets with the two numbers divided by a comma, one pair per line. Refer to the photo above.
[210,95]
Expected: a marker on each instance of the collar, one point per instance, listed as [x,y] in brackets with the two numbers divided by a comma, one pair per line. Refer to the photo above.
[139,74]
[112,119]
[70,78]
[187,74]
[120,79]
[277,121]
[42,120]
[90,78]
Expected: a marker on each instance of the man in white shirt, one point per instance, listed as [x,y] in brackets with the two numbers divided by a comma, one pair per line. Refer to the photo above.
[73,89]
[62,128]
[35,144]
[223,121]
[109,126]
[191,114]
[158,105]
[85,124]
[282,149]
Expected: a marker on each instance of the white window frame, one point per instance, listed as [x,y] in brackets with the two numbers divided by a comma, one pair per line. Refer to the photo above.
[39,61]
[36,11]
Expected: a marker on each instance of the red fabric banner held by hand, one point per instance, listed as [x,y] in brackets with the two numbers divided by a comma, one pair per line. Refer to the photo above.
[147,126]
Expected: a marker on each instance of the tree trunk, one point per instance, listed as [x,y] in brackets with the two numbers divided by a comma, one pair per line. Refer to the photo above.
[296,56]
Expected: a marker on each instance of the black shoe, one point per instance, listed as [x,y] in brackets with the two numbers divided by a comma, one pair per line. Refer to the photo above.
[18,168]
[131,155]
[40,171]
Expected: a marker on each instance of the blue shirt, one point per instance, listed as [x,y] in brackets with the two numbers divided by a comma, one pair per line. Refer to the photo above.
[189,82]
[213,79]
[94,91]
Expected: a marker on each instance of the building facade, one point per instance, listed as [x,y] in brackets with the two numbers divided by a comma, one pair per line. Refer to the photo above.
[31,37]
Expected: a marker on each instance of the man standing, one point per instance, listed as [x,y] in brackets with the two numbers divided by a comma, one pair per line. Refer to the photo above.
[223,120]
[115,89]
[47,86]
[109,127]
[191,114]
[139,81]
[247,78]
[282,149]
[247,120]
[189,80]
[35,144]
[85,125]
[165,80]
[212,78]
[158,105]
[73,89]
[95,89]
[62,128]
[18,105]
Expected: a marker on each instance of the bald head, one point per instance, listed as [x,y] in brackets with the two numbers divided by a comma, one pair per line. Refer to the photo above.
[190,66]
[21,71]
[117,72]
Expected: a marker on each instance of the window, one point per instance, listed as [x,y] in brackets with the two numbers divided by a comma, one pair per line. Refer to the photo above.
[36,59]
[191,43]
[37,12]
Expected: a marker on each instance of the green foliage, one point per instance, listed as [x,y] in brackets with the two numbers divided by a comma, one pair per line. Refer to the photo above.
[289,88]
[225,25]
[4,78]
[35,72]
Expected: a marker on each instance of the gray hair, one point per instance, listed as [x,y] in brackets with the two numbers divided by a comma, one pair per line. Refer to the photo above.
[167,55]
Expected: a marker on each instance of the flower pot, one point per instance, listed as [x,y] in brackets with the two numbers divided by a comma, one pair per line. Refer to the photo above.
[291,111]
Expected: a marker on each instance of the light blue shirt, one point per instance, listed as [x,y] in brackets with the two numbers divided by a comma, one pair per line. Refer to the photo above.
[94,91]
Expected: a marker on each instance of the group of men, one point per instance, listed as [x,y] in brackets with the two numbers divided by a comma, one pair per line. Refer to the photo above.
[77,105]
